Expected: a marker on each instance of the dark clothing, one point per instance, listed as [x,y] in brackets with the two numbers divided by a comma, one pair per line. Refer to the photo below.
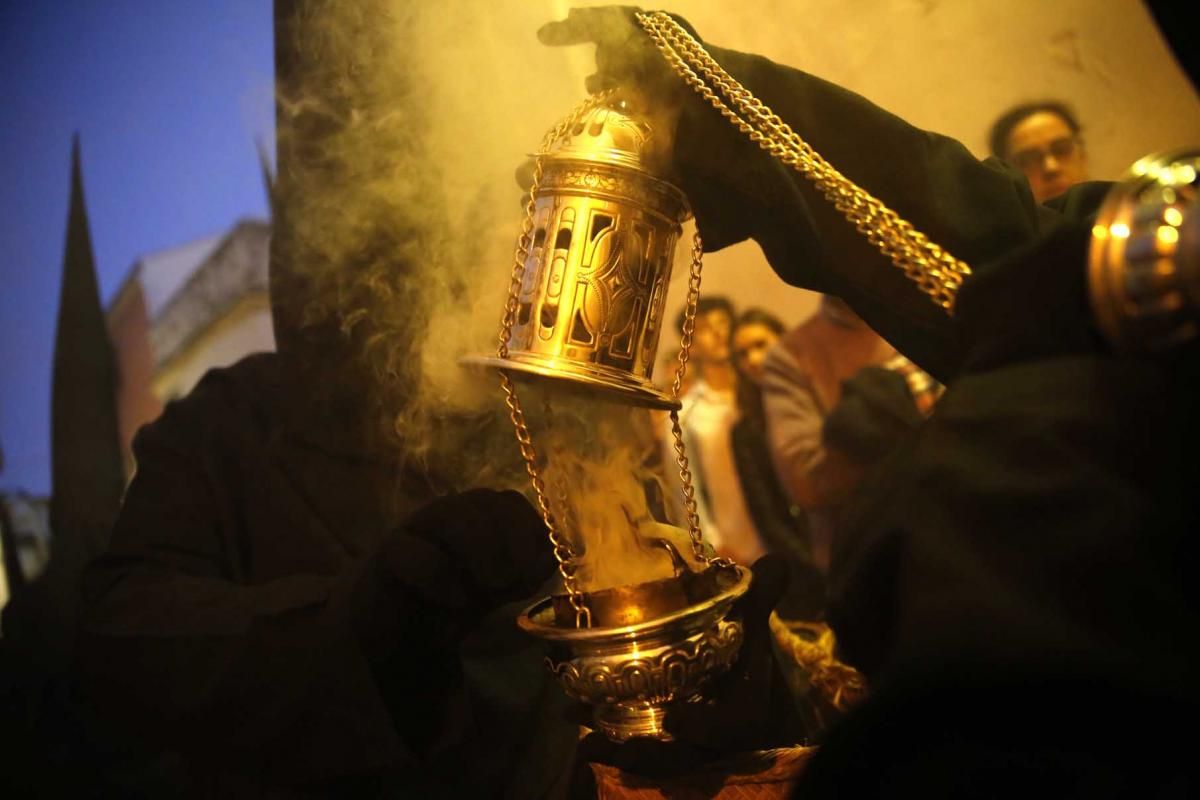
[219,622]
[780,524]
[1013,579]
[1023,582]
[977,210]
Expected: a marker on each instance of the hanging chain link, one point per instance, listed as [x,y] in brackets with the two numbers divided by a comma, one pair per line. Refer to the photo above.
[681,459]
[563,552]
[936,272]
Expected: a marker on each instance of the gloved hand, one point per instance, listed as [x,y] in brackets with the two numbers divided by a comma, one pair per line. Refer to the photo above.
[876,412]
[747,708]
[625,56]
[447,566]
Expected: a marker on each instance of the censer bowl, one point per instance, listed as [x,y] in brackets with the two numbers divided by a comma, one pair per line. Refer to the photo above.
[651,645]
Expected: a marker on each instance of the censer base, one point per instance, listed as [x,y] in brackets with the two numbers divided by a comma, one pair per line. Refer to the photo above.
[621,722]
[620,384]
[632,673]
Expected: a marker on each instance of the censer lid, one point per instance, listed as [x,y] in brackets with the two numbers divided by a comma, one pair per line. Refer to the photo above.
[617,132]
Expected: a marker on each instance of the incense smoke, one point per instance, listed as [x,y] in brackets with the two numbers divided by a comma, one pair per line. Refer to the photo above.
[407,124]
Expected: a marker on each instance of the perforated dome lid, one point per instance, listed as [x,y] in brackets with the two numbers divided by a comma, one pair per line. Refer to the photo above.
[616,133]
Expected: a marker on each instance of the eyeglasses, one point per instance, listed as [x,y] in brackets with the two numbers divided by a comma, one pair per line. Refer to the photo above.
[1031,158]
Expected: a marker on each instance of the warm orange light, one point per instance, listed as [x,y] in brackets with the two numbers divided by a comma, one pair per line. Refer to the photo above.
[1167,235]
[1173,216]
[1119,230]
[1099,232]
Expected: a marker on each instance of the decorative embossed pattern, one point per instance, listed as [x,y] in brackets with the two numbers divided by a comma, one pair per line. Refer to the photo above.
[621,184]
[658,675]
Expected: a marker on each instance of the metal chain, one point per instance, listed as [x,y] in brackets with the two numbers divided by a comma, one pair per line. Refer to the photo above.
[563,553]
[936,272]
[681,459]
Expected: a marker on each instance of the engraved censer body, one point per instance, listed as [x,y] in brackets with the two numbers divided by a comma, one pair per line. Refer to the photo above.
[585,310]
[590,305]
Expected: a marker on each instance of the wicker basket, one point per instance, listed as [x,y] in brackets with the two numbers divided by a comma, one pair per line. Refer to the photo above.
[810,646]
[748,776]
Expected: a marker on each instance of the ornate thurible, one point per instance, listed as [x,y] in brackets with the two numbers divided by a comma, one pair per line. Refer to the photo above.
[585,311]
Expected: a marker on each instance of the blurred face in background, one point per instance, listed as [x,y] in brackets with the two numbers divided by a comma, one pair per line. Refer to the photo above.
[1051,155]
[710,341]
[751,341]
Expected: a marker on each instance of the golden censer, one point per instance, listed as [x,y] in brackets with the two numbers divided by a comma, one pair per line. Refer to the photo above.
[585,311]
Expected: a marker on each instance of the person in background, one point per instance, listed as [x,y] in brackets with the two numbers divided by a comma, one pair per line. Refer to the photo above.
[802,384]
[1042,139]
[780,524]
[707,415]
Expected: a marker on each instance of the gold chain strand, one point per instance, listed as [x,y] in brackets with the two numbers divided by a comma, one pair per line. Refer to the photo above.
[564,516]
[935,271]
[681,459]
[782,142]
[563,553]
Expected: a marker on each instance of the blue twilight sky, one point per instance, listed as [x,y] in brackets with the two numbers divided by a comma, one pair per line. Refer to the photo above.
[168,98]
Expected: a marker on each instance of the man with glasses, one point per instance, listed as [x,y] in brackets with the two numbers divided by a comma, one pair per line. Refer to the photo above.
[1042,140]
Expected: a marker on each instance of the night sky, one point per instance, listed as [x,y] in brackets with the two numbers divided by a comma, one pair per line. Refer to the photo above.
[168,99]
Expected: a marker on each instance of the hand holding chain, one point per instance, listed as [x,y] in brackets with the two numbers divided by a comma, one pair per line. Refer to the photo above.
[936,272]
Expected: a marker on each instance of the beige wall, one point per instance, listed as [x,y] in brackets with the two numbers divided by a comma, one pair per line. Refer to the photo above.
[946,65]
[129,330]
[952,66]
[243,330]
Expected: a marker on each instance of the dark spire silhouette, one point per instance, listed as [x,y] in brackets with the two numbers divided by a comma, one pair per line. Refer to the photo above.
[88,479]
[86,451]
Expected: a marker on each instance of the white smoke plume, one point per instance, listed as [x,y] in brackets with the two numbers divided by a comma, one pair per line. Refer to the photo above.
[404,219]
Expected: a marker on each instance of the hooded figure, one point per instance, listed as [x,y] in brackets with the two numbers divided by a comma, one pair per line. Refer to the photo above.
[291,602]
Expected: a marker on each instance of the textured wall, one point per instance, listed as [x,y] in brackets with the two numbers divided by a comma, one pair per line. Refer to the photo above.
[945,65]
[239,331]
[952,66]
[129,330]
